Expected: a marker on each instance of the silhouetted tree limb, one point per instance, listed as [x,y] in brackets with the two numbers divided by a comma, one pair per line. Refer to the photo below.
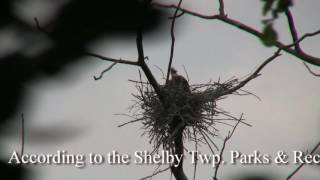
[120,61]
[301,165]
[313,73]
[156,173]
[172,39]
[221,8]
[22,136]
[253,75]
[230,134]
[104,71]
[146,70]
[222,17]
[293,30]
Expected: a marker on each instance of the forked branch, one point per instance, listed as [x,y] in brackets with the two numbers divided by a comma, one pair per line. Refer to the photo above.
[297,52]
[301,165]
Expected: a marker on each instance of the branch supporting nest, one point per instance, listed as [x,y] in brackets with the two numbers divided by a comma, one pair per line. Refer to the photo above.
[187,115]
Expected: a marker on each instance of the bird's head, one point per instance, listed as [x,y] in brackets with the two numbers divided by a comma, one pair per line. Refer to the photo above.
[173,71]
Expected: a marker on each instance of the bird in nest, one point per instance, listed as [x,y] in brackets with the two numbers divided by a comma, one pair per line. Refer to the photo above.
[178,82]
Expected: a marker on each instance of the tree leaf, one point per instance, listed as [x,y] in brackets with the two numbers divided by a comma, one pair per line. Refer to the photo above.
[283,5]
[267,6]
[269,36]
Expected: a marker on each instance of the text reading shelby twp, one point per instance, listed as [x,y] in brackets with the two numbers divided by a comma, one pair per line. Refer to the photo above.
[80,160]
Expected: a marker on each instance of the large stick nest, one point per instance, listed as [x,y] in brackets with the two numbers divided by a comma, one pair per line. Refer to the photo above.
[197,111]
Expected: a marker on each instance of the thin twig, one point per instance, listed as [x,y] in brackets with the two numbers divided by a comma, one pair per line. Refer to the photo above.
[205,139]
[104,71]
[250,93]
[310,71]
[120,61]
[253,75]
[133,121]
[223,147]
[156,173]
[196,158]
[187,75]
[145,68]
[301,165]
[178,15]
[22,135]
[235,23]
[162,73]
[172,39]
[307,35]
[41,28]
[140,82]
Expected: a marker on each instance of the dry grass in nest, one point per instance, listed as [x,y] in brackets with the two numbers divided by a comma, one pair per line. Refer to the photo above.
[197,110]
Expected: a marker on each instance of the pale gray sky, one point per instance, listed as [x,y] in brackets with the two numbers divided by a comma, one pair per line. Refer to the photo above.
[287,118]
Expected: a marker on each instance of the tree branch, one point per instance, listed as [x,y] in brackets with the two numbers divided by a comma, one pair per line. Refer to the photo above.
[172,39]
[310,71]
[293,29]
[104,71]
[146,69]
[155,173]
[224,145]
[253,75]
[221,8]
[301,165]
[299,54]
[22,135]
[120,61]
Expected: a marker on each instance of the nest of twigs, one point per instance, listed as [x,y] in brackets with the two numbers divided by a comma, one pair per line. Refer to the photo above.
[196,110]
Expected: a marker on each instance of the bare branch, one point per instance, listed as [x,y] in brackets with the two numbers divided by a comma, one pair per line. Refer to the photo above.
[221,8]
[22,135]
[310,71]
[40,28]
[140,82]
[301,165]
[253,75]
[186,11]
[172,38]
[120,61]
[104,71]
[161,71]
[293,30]
[156,173]
[187,75]
[224,145]
[133,121]
[250,93]
[308,35]
[177,16]
[299,54]
[146,69]
[196,149]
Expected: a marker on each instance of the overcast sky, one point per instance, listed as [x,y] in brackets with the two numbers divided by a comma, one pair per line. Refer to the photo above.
[83,110]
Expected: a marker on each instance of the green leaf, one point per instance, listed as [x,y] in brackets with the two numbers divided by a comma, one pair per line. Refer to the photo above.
[267,6]
[269,36]
[283,5]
